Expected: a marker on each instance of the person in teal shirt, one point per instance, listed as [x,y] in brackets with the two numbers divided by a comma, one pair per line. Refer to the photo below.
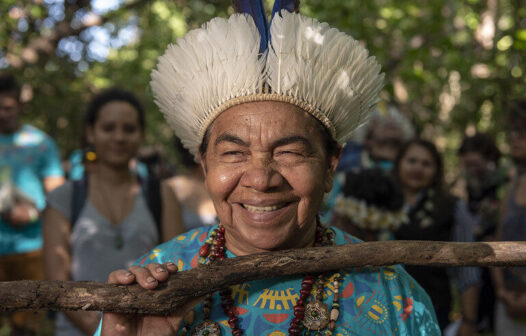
[29,168]
[266,119]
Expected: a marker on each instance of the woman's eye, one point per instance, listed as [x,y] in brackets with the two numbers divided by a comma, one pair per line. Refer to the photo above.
[427,164]
[107,128]
[130,129]
[232,156]
[290,153]
[289,156]
[232,153]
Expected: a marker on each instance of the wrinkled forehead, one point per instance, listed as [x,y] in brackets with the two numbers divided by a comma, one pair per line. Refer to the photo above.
[266,121]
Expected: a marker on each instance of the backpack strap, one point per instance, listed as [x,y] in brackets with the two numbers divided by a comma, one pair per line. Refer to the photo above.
[78,198]
[151,188]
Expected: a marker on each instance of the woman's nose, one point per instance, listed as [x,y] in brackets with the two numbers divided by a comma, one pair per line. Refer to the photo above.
[261,176]
[119,135]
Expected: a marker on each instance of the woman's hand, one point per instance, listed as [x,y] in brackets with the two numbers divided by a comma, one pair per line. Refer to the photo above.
[147,277]
[21,215]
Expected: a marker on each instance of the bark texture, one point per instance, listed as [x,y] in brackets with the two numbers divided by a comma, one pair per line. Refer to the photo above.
[70,295]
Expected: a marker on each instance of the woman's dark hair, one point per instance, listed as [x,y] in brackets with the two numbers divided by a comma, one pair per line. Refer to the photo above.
[8,84]
[437,181]
[112,95]
[185,158]
[375,188]
[481,143]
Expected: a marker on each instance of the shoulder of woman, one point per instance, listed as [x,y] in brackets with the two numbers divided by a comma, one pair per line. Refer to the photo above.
[167,187]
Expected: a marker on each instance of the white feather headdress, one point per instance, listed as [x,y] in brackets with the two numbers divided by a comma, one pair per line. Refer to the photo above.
[308,64]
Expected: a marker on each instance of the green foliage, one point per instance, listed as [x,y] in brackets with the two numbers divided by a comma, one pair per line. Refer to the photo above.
[451,66]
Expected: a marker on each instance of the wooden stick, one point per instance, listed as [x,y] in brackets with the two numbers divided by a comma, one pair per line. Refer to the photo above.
[70,295]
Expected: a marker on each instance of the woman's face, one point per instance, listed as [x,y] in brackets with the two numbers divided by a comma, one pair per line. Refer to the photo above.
[266,169]
[475,165]
[417,168]
[116,134]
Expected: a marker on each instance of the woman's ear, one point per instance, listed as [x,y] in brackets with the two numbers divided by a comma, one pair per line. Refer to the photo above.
[331,167]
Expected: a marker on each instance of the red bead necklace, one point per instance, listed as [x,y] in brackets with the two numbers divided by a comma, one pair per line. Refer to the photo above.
[313,316]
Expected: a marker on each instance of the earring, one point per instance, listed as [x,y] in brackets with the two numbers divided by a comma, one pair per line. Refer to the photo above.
[90,155]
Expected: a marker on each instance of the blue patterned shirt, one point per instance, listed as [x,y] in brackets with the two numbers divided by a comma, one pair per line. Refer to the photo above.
[381,301]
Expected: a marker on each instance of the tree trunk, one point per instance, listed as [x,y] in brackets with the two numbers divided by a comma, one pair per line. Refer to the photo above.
[70,295]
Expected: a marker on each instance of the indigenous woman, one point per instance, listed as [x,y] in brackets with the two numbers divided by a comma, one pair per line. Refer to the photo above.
[114,224]
[434,215]
[266,126]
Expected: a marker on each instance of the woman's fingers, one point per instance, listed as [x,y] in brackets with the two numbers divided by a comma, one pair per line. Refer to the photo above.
[148,276]
[158,271]
[144,276]
[121,277]
[116,325]
[171,267]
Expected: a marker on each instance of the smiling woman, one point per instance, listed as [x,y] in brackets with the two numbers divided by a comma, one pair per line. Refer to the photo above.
[267,170]
[106,213]
[435,215]
[267,127]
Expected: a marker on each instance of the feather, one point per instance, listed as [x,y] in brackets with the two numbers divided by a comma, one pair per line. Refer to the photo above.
[206,68]
[325,68]
[256,10]
[292,6]
[307,63]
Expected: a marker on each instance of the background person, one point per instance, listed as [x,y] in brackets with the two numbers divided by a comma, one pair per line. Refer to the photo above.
[480,190]
[433,215]
[510,283]
[482,183]
[377,143]
[370,206]
[374,147]
[114,224]
[29,167]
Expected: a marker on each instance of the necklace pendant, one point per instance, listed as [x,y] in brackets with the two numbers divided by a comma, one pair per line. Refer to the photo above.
[119,243]
[207,328]
[316,315]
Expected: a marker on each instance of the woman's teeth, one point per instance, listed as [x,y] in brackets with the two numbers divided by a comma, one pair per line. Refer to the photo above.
[263,209]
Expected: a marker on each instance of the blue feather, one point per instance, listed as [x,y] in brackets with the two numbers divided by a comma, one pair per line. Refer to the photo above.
[290,5]
[255,9]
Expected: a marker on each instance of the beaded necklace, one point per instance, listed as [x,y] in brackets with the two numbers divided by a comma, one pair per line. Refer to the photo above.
[311,316]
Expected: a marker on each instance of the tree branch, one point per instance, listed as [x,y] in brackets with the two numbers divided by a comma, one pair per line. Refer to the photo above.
[69,295]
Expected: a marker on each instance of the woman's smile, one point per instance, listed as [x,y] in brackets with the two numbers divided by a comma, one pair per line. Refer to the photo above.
[269,215]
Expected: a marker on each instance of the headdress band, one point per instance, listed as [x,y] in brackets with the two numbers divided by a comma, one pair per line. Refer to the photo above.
[314,111]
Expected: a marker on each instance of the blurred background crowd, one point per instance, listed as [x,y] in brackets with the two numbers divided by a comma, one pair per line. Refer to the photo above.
[91,178]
